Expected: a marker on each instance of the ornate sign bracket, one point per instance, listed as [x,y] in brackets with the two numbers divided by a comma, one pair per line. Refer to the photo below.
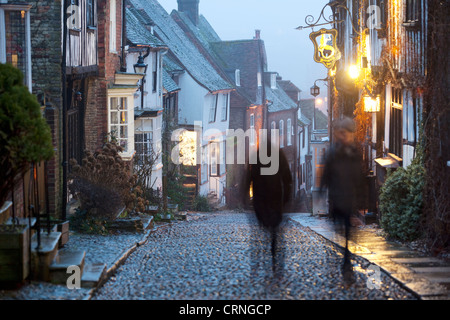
[325,52]
[311,22]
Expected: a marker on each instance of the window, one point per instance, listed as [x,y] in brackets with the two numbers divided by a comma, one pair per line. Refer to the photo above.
[252,130]
[273,126]
[213,108]
[214,146]
[281,133]
[273,80]
[224,111]
[143,139]
[237,77]
[412,14]
[112,26]
[396,121]
[119,121]
[154,72]
[289,132]
[303,137]
[90,13]
[14,41]
[259,79]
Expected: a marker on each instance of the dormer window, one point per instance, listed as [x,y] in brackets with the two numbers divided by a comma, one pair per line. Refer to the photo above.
[273,80]
[237,77]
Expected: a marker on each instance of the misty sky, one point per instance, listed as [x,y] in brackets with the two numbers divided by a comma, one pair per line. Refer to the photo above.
[289,51]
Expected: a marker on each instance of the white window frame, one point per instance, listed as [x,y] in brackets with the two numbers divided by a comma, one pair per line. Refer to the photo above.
[289,132]
[281,133]
[112,27]
[273,126]
[237,77]
[121,122]
[213,108]
[224,111]
[273,80]
[252,130]
[148,130]
[214,153]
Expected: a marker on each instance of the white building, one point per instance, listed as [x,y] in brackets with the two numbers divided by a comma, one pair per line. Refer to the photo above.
[203,101]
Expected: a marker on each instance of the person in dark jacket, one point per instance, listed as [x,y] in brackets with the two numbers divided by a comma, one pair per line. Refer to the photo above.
[271,193]
[343,176]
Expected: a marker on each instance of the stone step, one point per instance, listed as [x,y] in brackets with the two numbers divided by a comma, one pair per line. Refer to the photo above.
[93,275]
[42,257]
[25,221]
[62,261]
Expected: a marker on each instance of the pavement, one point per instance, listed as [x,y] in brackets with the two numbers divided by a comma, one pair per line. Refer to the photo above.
[425,276]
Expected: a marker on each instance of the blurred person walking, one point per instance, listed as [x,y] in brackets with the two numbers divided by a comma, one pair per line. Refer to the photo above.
[271,193]
[343,176]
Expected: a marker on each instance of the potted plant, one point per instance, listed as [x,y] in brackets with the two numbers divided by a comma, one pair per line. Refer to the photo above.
[25,138]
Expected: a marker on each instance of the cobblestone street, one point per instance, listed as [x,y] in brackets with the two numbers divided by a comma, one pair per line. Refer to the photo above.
[216,257]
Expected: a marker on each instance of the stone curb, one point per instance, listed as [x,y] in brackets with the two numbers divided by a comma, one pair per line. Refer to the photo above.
[387,272]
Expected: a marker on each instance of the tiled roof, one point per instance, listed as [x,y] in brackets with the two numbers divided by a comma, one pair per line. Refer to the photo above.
[137,33]
[168,82]
[287,85]
[170,65]
[304,121]
[180,45]
[244,55]
[280,100]
[307,108]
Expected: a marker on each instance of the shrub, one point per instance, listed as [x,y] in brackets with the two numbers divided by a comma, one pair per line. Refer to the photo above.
[176,191]
[25,136]
[401,201]
[104,185]
[201,204]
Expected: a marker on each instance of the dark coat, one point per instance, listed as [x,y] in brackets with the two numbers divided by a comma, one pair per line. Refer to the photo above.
[343,176]
[270,192]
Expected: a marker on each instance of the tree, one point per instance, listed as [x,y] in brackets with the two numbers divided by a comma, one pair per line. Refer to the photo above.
[25,136]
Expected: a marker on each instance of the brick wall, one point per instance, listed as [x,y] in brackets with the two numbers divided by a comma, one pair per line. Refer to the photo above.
[289,151]
[46,55]
[96,111]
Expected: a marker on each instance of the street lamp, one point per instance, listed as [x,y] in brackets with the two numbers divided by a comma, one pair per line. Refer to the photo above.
[140,66]
[315,90]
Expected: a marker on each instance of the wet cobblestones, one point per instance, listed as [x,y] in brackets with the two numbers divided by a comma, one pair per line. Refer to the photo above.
[226,256]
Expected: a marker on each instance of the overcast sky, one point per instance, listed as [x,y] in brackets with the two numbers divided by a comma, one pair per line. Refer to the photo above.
[289,51]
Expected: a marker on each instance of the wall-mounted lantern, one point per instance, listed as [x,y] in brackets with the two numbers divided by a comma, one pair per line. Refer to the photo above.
[315,90]
[140,66]
[371,104]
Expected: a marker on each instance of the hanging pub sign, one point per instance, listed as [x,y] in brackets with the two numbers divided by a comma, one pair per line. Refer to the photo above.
[325,47]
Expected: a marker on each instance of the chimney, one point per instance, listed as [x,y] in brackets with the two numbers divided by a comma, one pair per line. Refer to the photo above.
[257,35]
[189,7]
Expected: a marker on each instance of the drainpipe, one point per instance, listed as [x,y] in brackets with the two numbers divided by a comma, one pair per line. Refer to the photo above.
[64,113]
[123,66]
